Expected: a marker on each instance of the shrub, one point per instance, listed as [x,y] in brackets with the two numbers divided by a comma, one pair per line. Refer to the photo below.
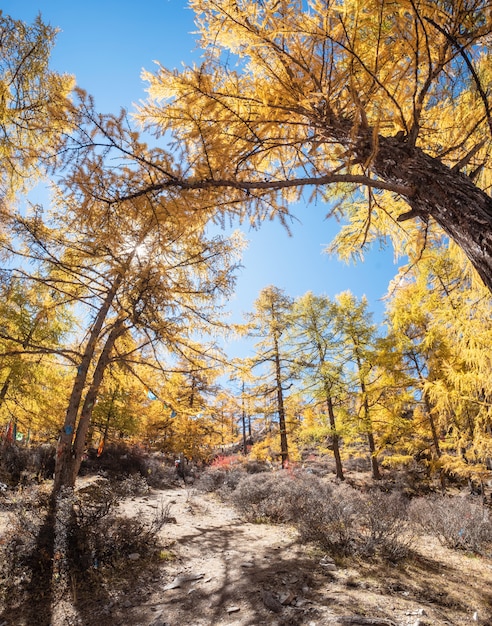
[384,525]
[21,465]
[130,486]
[220,479]
[116,458]
[338,518]
[279,497]
[457,522]
[94,539]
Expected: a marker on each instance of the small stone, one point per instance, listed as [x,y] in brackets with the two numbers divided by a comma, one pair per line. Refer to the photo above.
[179,580]
[134,556]
[287,597]
[328,564]
[329,567]
[232,609]
[270,601]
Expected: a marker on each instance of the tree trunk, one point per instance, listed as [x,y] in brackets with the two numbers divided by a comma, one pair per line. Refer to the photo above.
[376,474]
[430,417]
[5,388]
[90,398]
[243,421]
[65,452]
[284,447]
[462,210]
[335,438]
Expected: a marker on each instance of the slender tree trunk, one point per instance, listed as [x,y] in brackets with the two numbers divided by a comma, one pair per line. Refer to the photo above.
[376,474]
[430,417]
[335,438]
[108,420]
[243,420]
[284,447]
[5,388]
[65,452]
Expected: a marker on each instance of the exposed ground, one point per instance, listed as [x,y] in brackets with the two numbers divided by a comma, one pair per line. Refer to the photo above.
[221,571]
[217,570]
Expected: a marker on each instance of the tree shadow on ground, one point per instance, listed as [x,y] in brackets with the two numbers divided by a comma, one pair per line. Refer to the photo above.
[28,586]
[274,586]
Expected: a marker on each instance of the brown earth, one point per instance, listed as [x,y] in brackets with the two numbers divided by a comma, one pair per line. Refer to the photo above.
[217,570]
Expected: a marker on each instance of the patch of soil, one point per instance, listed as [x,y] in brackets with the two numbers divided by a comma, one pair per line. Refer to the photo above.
[222,571]
[217,570]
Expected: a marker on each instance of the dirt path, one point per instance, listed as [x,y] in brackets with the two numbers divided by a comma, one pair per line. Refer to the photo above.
[226,571]
[222,571]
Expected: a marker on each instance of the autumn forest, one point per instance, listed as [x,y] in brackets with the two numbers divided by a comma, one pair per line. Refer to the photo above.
[112,291]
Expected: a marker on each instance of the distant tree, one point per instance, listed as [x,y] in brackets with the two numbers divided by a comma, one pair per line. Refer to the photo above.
[358,335]
[34,327]
[268,322]
[384,106]
[317,347]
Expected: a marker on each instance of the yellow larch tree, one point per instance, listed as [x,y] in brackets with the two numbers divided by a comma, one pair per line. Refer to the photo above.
[382,105]
[442,322]
[35,106]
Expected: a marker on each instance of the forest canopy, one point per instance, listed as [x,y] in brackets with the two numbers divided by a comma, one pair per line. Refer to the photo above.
[113,292]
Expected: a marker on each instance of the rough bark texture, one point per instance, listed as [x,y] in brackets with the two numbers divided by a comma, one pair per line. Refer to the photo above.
[65,452]
[90,398]
[461,209]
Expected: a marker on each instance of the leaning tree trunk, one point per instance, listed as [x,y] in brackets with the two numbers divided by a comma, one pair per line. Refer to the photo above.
[462,210]
[71,468]
[65,452]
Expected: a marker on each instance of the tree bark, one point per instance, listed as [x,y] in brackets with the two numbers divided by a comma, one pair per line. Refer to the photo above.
[85,416]
[335,437]
[376,474]
[65,452]
[284,447]
[462,210]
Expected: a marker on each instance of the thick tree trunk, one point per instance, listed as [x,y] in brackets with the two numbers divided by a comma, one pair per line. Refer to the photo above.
[463,210]
[73,465]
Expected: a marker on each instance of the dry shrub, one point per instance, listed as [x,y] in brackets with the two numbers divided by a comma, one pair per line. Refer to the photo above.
[158,474]
[131,486]
[22,465]
[338,518]
[458,522]
[220,479]
[383,525]
[101,537]
[269,497]
[99,543]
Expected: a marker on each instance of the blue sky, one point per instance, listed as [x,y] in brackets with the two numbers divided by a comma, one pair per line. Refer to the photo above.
[106,44]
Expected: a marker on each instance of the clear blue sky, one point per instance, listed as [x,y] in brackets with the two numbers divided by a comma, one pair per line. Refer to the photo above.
[106,44]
